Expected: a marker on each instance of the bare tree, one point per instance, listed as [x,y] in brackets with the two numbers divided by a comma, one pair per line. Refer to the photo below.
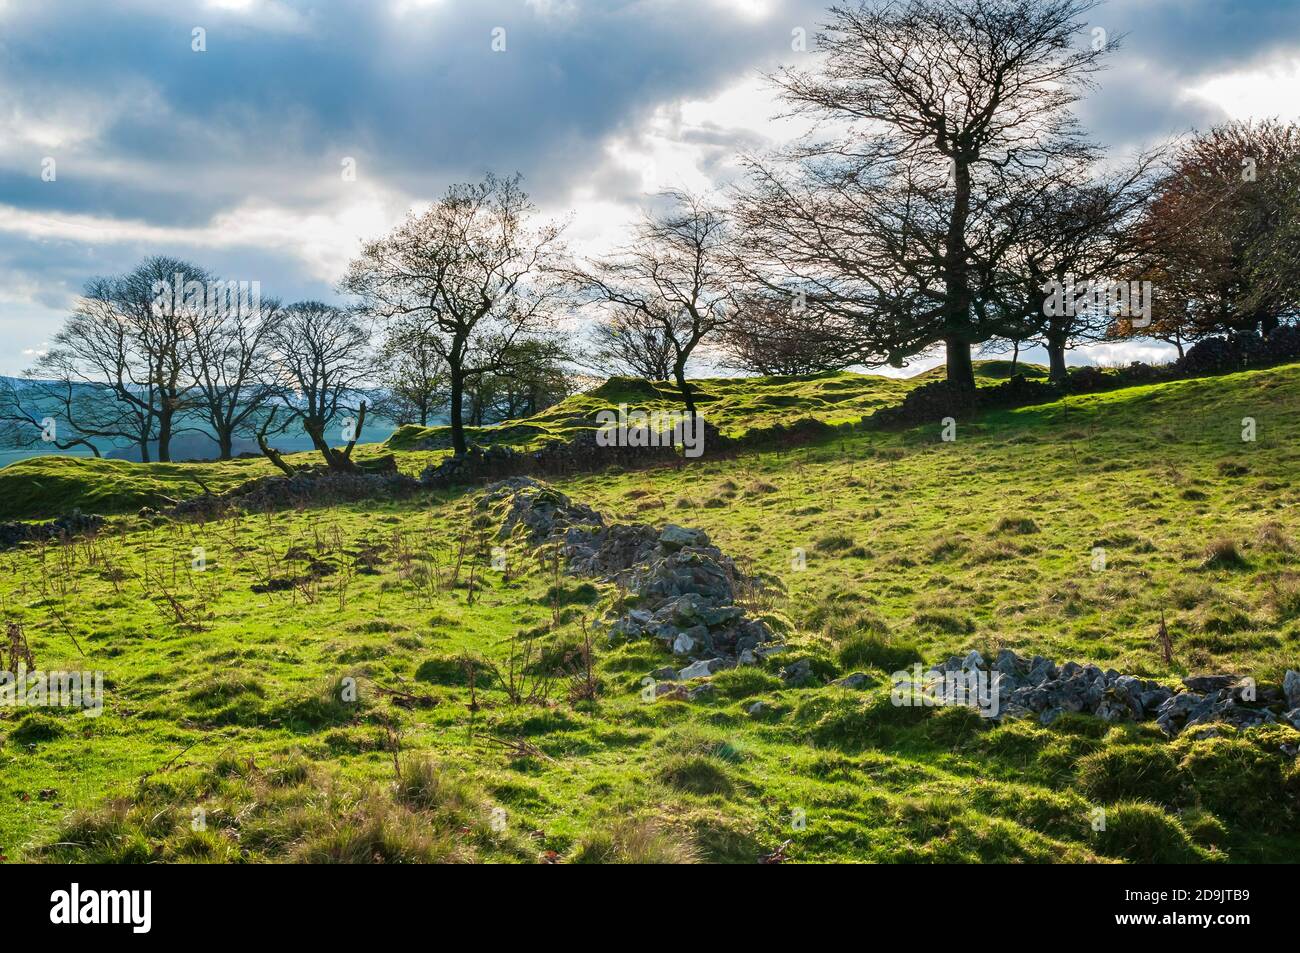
[474,267]
[103,381]
[230,364]
[319,359]
[158,302]
[939,113]
[674,276]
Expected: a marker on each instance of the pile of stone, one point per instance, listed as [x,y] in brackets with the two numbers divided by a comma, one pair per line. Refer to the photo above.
[75,523]
[1038,687]
[681,588]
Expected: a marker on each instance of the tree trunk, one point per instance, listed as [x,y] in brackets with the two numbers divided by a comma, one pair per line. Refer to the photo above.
[267,451]
[456,410]
[1057,371]
[961,371]
[226,444]
[164,433]
[342,459]
[315,430]
[274,455]
[1015,358]
[679,372]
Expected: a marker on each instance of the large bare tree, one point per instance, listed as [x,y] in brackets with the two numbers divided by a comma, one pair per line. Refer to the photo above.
[477,268]
[934,116]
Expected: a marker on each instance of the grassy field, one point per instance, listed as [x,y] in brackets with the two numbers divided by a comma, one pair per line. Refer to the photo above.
[230,732]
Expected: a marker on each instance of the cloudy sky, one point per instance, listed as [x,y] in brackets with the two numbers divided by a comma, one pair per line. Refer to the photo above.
[233,156]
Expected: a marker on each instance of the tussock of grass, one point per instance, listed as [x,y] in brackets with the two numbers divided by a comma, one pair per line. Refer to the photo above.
[455,670]
[696,774]
[744,682]
[1015,526]
[1146,834]
[1224,554]
[635,841]
[36,728]
[878,652]
[834,543]
[1132,772]
[939,620]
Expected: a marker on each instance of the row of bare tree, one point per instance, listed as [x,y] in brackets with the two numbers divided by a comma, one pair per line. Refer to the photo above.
[943,186]
[155,352]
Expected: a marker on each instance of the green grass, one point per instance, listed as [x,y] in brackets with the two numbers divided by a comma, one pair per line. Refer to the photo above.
[230,697]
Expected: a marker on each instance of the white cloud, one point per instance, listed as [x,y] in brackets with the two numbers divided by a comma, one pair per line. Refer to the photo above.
[265,14]
[324,239]
[1124,352]
[1267,91]
[693,143]
[749,9]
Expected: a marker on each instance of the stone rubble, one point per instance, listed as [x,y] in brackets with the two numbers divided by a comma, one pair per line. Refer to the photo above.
[75,523]
[1037,687]
[682,588]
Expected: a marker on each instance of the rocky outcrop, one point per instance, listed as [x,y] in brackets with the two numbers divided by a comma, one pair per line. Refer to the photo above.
[1038,688]
[680,588]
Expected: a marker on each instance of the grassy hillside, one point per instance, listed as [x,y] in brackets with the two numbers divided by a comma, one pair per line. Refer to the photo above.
[735,405]
[45,487]
[226,692]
